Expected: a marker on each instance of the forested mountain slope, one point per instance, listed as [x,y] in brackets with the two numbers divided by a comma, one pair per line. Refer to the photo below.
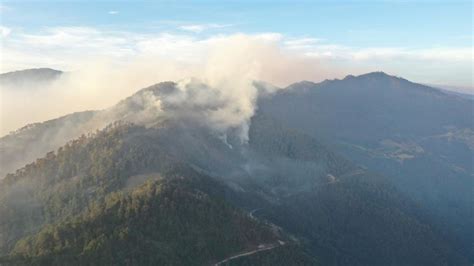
[282,183]
[95,182]
[176,220]
[86,204]
[419,136]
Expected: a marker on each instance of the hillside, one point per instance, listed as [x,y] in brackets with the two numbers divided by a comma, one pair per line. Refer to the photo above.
[342,215]
[101,197]
[174,221]
[30,78]
[35,140]
[287,174]
[419,136]
[295,183]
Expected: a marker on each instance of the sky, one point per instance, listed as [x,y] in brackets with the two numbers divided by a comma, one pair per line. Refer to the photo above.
[424,41]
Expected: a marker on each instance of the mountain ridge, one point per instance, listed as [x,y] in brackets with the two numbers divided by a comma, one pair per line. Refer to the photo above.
[123,150]
[318,164]
[380,75]
[419,136]
[30,77]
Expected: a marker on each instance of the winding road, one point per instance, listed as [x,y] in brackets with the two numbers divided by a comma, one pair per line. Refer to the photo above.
[260,248]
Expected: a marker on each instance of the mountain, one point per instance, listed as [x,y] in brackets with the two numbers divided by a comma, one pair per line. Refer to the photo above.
[29,77]
[177,210]
[35,140]
[110,180]
[420,137]
[177,219]
[162,188]
[466,92]
[461,94]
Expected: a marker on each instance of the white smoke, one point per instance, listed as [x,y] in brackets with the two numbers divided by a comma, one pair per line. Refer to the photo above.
[228,65]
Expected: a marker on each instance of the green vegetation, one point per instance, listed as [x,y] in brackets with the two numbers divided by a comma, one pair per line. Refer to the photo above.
[418,136]
[75,207]
[64,183]
[132,195]
[358,222]
[165,222]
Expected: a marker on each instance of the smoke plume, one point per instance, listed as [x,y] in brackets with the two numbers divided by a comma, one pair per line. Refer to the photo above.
[227,66]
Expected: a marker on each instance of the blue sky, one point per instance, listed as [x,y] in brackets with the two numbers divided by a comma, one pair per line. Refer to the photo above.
[431,38]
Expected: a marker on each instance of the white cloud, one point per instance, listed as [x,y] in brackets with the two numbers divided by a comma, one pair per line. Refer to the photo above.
[68,47]
[192,28]
[4,31]
[113,12]
[302,43]
[380,54]
[63,47]
[198,28]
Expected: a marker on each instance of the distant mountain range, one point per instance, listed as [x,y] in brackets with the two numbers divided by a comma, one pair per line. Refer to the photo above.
[29,77]
[421,137]
[367,170]
[467,92]
[450,90]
